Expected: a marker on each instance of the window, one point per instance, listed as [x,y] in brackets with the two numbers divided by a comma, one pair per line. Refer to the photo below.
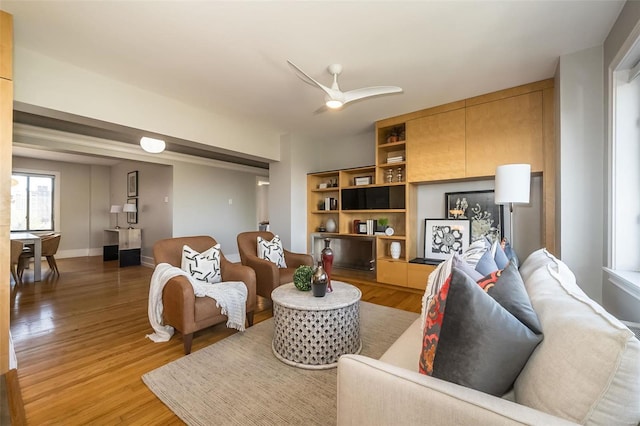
[32,202]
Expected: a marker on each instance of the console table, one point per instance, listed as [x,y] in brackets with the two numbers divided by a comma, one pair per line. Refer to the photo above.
[122,244]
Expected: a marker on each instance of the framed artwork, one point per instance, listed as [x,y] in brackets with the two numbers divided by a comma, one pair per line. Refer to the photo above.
[487,217]
[362,227]
[443,237]
[132,217]
[132,184]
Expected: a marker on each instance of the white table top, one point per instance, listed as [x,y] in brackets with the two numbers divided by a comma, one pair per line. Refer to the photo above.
[20,236]
[343,294]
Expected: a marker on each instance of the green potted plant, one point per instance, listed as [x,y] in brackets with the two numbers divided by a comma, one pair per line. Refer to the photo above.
[302,277]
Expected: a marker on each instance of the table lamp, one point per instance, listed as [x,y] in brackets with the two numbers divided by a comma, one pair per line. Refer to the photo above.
[513,186]
[116,209]
[129,208]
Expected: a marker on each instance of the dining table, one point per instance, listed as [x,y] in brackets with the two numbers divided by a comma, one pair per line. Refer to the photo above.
[29,238]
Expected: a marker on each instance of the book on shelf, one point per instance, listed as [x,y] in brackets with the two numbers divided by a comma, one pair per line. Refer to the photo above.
[395,160]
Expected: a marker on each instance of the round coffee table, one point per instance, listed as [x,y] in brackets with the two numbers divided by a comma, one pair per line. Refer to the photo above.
[312,332]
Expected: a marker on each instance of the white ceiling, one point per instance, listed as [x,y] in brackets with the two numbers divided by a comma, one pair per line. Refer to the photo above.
[230,56]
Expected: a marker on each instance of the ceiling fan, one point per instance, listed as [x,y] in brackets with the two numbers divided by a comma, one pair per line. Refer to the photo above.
[335,97]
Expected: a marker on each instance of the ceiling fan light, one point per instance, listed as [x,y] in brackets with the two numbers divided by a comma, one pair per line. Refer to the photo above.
[334,104]
[151,145]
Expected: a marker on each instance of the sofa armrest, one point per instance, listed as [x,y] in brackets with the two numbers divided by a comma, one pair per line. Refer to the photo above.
[373,392]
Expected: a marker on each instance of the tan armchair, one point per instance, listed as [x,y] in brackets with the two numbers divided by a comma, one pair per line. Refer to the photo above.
[182,310]
[268,275]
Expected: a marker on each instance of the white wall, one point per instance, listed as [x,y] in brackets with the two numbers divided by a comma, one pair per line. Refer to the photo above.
[581,173]
[201,205]
[46,82]
[288,177]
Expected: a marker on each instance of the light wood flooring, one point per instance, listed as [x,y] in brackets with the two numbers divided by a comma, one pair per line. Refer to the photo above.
[81,346]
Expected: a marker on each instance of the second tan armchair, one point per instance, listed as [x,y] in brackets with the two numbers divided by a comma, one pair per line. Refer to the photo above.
[268,275]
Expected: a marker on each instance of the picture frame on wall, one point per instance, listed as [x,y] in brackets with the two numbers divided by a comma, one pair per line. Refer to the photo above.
[132,217]
[132,184]
[487,217]
[444,237]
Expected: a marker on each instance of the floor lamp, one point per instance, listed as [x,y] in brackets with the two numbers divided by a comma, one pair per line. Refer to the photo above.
[116,209]
[513,186]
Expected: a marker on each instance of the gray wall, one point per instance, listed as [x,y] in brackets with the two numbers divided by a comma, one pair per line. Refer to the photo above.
[155,216]
[581,141]
[84,203]
[616,300]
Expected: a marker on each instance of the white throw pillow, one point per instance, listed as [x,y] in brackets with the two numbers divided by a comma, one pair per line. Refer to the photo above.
[272,251]
[203,266]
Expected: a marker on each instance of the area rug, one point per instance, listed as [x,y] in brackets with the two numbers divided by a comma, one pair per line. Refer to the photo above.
[238,381]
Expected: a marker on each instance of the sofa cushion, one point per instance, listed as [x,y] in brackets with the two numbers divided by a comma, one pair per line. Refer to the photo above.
[405,351]
[471,340]
[587,369]
[272,251]
[507,288]
[203,266]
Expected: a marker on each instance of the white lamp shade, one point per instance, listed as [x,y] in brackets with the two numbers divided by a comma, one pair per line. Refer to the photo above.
[116,209]
[151,145]
[129,208]
[513,183]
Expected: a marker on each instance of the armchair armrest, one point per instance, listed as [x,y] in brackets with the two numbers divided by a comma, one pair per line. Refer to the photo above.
[266,273]
[294,260]
[373,392]
[237,272]
[178,302]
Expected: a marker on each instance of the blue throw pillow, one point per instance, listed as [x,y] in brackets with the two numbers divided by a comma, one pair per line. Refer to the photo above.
[486,264]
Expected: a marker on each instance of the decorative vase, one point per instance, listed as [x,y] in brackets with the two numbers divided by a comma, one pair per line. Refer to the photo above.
[327,262]
[331,225]
[319,281]
[395,250]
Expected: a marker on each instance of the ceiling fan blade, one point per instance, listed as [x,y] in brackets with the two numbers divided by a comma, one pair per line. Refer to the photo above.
[354,95]
[307,79]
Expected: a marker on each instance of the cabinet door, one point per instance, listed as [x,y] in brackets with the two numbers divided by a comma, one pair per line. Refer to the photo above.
[418,274]
[436,147]
[391,272]
[505,131]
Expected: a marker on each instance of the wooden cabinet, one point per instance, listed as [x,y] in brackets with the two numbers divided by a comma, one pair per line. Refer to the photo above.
[322,187]
[436,147]
[458,141]
[504,131]
[6,46]
[417,275]
[6,140]
[391,272]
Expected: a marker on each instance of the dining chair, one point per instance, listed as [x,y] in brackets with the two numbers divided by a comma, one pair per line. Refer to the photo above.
[50,245]
[16,251]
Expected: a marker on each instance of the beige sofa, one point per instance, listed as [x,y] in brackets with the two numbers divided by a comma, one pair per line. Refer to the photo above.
[585,371]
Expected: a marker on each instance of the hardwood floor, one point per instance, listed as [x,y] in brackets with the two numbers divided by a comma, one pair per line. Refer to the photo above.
[81,346]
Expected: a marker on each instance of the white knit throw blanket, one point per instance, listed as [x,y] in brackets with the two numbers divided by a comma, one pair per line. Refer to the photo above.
[230,297]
